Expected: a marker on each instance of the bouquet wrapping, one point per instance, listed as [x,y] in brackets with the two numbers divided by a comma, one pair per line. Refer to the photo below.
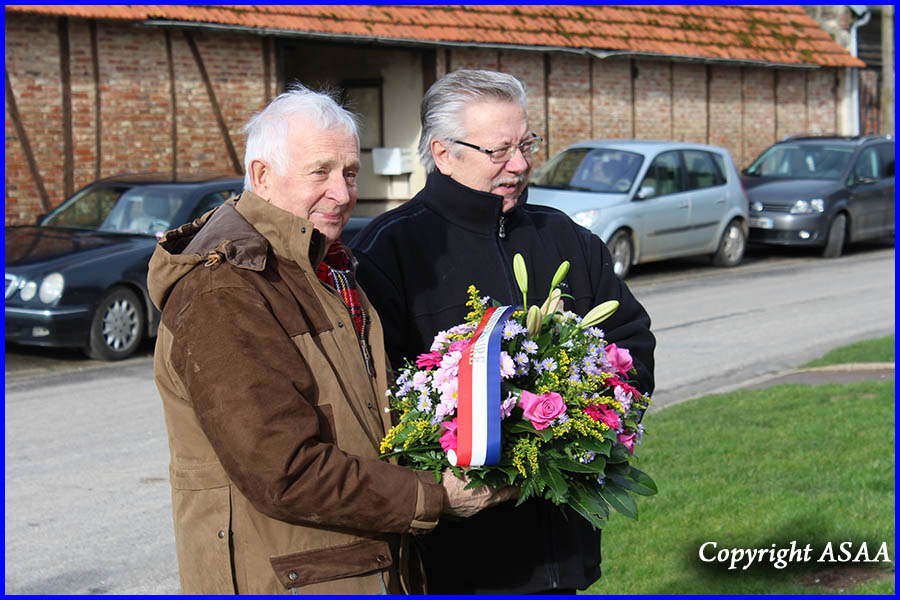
[532,397]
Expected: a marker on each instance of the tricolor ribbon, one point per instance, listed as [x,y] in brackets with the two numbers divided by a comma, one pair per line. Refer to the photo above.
[478,393]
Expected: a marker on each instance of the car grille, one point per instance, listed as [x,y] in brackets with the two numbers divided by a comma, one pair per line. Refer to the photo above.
[12,284]
[777,208]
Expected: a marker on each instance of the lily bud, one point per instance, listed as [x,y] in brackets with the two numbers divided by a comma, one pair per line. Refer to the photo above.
[553,302]
[599,313]
[521,274]
[533,322]
[560,274]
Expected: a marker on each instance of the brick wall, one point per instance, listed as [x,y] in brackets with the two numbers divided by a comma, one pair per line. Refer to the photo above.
[653,100]
[759,112]
[725,110]
[790,103]
[689,114]
[136,111]
[569,101]
[613,106]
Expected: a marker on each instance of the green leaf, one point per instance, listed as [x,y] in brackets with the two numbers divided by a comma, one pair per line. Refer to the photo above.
[642,478]
[619,454]
[589,506]
[556,481]
[629,484]
[595,466]
[546,433]
[522,426]
[595,445]
[619,499]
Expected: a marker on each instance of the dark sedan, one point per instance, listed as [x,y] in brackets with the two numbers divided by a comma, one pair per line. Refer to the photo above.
[822,191]
[79,277]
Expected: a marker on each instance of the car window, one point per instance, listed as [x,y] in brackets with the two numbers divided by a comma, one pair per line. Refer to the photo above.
[143,210]
[802,161]
[664,175]
[886,157]
[87,209]
[558,172]
[702,170]
[866,167]
[211,201]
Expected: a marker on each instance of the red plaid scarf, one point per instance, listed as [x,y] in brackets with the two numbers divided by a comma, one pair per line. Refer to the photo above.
[336,271]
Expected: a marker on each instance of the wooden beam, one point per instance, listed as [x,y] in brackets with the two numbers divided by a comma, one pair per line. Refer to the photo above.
[26,146]
[173,133]
[98,128]
[65,77]
[229,146]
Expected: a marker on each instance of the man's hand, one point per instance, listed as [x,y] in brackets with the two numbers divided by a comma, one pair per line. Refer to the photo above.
[459,502]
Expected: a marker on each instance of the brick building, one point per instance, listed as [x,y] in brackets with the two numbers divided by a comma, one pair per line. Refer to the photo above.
[95,90]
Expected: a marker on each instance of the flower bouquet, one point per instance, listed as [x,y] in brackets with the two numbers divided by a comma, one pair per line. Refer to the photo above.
[533,397]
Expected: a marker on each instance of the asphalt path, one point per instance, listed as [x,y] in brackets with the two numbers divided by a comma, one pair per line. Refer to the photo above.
[86,485]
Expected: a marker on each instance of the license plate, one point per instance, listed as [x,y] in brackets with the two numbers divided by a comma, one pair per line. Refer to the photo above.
[761,222]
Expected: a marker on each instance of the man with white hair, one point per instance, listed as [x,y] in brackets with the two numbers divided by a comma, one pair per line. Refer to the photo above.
[416,263]
[271,369]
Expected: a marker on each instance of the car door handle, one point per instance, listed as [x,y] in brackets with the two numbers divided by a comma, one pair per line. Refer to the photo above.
[684,204]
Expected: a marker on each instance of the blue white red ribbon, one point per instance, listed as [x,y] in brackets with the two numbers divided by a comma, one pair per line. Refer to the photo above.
[478,393]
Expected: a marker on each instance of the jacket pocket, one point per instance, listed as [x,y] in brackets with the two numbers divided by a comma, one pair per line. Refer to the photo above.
[327,564]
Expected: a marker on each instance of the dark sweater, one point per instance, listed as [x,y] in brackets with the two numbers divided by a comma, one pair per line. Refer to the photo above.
[415,264]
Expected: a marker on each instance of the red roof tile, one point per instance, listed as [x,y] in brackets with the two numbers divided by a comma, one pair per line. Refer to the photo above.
[781,34]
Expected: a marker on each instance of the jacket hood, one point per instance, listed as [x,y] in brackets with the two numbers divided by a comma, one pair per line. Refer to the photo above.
[240,231]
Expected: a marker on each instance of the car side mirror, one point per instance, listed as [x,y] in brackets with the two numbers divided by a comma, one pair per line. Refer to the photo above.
[648,191]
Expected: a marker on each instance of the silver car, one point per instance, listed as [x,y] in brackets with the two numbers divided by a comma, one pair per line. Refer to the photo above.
[649,200]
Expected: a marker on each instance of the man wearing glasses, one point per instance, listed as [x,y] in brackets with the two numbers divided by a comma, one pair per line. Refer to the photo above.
[416,263]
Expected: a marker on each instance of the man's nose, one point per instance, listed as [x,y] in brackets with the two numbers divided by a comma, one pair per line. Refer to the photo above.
[340,190]
[518,163]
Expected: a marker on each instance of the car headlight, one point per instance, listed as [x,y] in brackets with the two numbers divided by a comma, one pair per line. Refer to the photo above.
[806,207]
[28,291]
[51,288]
[586,218]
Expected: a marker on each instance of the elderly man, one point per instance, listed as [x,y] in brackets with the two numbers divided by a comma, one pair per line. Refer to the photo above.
[271,368]
[464,228]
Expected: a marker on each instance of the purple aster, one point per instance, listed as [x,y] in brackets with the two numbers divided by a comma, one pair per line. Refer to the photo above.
[511,329]
[530,346]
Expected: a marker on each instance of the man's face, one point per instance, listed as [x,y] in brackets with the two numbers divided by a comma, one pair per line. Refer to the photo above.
[490,125]
[319,183]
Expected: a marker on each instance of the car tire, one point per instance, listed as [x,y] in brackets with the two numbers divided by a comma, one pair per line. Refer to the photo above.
[622,253]
[117,328]
[732,246]
[837,233]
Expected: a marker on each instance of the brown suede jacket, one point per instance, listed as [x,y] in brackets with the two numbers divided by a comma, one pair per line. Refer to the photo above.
[273,420]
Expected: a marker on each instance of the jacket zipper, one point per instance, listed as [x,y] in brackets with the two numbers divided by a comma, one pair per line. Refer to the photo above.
[502,232]
[366,354]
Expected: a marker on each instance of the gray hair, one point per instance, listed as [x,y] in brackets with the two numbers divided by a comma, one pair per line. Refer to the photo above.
[445,100]
[267,130]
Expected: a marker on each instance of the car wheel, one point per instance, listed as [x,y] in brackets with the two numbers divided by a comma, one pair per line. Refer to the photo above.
[837,231]
[621,251]
[731,247]
[117,327]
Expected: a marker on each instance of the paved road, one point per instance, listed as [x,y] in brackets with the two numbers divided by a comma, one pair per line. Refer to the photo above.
[87,494]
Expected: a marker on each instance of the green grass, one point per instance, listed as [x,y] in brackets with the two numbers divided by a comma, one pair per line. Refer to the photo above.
[754,468]
[877,350]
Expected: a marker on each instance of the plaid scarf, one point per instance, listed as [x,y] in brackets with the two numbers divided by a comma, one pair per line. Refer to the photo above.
[336,271]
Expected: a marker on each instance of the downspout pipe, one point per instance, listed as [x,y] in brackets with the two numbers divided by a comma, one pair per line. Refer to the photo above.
[863,16]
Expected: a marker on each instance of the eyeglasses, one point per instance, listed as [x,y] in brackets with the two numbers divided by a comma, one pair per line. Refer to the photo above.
[501,155]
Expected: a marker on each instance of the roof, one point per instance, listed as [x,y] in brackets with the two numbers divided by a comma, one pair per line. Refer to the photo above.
[645,146]
[782,35]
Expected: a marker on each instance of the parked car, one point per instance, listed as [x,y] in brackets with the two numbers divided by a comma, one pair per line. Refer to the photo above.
[649,200]
[822,191]
[79,277]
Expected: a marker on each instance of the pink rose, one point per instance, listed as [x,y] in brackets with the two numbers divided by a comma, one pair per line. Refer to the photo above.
[627,441]
[448,440]
[541,410]
[619,358]
[428,360]
[602,413]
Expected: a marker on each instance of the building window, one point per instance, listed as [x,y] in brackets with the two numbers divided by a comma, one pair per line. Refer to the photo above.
[364,97]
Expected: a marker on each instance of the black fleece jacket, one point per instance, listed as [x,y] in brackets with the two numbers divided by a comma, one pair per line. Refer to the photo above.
[415,264]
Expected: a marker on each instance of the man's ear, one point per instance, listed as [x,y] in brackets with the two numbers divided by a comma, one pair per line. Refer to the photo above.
[441,155]
[261,178]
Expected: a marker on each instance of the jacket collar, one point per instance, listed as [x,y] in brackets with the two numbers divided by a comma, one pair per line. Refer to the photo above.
[467,208]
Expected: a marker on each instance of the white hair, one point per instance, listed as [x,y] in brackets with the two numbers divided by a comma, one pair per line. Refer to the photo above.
[267,130]
[445,100]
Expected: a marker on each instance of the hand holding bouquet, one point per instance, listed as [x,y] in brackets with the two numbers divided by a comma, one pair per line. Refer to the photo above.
[534,398]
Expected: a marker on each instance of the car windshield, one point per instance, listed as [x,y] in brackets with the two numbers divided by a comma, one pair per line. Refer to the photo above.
[87,209]
[802,161]
[601,170]
[143,210]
